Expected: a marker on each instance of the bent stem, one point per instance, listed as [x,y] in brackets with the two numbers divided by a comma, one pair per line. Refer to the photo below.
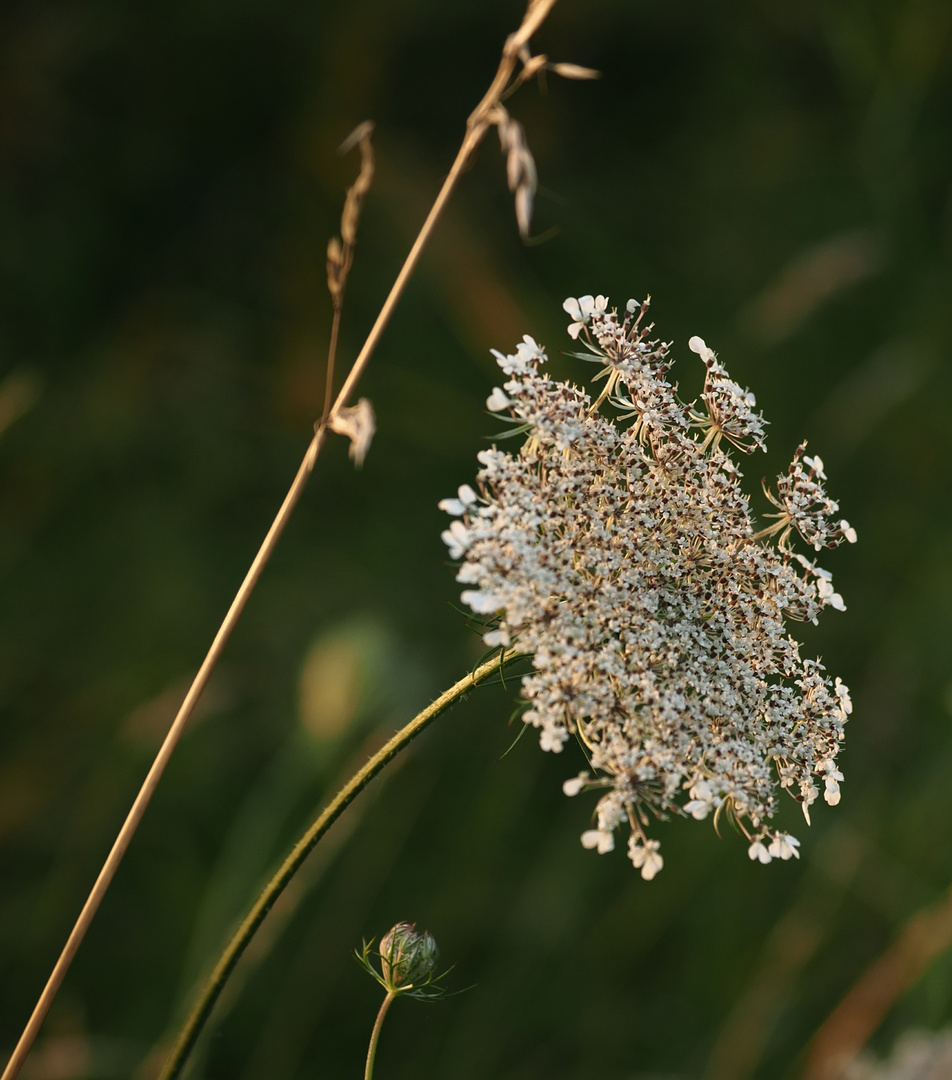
[479,122]
[375,1035]
[246,931]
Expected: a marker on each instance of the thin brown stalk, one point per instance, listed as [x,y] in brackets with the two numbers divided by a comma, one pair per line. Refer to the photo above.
[477,125]
[340,253]
[844,1033]
[331,355]
[151,781]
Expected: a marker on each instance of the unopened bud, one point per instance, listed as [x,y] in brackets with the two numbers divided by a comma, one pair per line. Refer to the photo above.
[406,957]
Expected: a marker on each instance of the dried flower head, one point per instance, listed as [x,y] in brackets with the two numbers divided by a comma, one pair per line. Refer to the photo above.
[623,557]
[358,423]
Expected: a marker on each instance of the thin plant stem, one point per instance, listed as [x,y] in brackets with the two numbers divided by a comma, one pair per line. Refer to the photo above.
[229,958]
[331,356]
[151,782]
[340,254]
[375,1035]
[477,126]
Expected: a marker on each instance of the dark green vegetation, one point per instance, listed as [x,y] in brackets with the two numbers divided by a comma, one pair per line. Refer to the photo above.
[778,175]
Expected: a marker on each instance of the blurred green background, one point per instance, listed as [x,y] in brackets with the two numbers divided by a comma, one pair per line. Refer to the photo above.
[778,175]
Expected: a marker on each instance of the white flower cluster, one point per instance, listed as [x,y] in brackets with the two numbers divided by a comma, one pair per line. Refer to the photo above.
[622,557]
[916,1055]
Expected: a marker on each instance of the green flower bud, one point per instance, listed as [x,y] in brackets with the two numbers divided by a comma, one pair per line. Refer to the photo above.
[406,957]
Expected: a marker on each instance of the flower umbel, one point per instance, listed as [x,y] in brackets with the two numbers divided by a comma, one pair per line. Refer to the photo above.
[624,558]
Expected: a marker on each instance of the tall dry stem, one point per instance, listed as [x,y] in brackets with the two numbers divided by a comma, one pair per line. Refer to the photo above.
[515,52]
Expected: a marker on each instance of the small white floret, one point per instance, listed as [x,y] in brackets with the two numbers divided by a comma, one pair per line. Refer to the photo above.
[816,464]
[652,864]
[497,400]
[574,785]
[457,539]
[552,740]
[497,637]
[529,351]
[699,345]
[571,307]
[458,506]
[601,839]
[831,781]
[582,309]
[483,603]
[645,857]
[758,852]
[784,846]
[843,693]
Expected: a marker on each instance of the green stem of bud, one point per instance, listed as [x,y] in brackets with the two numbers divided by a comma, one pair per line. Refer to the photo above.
[201,1011]
[375,1035]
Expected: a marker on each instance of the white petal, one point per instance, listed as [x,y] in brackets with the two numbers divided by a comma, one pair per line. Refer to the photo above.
[652,865]
[483,603]
[698,345]
[598,838]
[758,852]
[587,304]
[457,538]
[497,637]
[552,740]
[843,693]
[573,786]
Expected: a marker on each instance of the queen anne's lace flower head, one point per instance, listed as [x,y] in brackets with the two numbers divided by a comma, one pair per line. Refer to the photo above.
[622,557]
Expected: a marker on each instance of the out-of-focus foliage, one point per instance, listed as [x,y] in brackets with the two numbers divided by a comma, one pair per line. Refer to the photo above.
[778,175]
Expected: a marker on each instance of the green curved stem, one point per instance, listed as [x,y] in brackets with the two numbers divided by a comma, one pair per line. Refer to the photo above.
[375,1035]
[246,931]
